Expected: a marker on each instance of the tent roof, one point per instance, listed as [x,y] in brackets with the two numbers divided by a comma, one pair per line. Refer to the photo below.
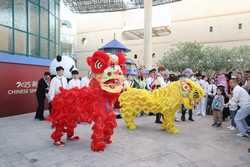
[115,44]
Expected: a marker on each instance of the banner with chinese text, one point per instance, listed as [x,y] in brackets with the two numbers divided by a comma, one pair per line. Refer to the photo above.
[18,88]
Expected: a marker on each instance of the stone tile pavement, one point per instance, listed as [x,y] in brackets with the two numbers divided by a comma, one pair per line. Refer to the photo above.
[25,142]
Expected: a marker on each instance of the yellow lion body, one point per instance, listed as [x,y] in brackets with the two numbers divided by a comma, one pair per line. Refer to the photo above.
[166,100]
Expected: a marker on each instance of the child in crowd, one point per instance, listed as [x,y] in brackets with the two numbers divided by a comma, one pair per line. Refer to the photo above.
[217,107]
[233,107]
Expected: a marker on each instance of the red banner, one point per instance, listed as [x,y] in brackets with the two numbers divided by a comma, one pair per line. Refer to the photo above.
[18,88]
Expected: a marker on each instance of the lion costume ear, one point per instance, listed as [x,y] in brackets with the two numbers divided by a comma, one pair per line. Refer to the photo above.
[89,61]
[121,61]
[121,58]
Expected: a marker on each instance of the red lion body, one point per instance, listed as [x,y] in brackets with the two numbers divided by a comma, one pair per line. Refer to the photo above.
[88,104]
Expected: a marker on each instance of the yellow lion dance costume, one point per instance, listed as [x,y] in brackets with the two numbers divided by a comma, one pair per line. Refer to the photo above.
[166,100]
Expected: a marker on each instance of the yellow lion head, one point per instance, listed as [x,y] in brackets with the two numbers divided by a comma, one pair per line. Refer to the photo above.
[191,92]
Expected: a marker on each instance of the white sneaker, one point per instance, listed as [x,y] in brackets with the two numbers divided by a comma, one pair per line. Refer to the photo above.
[229,127]
[232,128]
[242,135]
[198,114]
[177,120]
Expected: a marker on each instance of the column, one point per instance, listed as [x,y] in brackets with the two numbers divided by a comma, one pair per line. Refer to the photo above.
[147,59]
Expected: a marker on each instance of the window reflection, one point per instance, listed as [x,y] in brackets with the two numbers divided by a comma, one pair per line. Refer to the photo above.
[44,23]
[6,12]
[20,15]
[6,39]
[33,18]
[33,45]
[20,42]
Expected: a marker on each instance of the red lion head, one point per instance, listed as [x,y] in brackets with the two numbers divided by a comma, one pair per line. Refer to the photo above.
[108,70]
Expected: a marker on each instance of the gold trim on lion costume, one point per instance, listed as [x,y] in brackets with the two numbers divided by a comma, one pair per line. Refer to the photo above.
[166,100]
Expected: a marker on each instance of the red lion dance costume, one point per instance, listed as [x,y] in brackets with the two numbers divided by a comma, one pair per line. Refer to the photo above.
[91,104]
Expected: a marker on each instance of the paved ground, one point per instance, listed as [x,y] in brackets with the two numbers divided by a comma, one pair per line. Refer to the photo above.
[25,142]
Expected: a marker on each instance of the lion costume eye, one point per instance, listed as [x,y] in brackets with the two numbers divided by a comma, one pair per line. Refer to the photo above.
[98,64]
[196,95]
[186,87]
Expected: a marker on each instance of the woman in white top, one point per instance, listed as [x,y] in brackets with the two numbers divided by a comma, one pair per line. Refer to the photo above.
[75,81]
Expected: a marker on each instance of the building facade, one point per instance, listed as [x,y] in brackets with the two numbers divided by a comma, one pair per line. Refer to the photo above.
[30,27]
[29,39]
[223,23]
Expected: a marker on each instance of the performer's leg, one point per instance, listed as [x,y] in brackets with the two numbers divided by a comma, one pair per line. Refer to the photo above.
[164,122]
[128,117]
[98,143]
[183,113]
[170,127]
[70,130]
[190,112]
[158,118]
[109,126]
[58,133]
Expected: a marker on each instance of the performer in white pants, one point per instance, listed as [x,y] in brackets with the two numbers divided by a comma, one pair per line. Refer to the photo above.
[202,106]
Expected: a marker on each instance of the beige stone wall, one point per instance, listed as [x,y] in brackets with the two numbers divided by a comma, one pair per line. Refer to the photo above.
[191,20]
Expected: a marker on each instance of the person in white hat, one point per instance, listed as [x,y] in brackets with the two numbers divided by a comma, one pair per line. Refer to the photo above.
[75,82]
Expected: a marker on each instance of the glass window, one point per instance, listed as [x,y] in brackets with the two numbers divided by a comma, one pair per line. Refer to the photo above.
[57,50]
[35,1]
[33,45]
[33,18]
[20,15]
[44,48]
[20,42]
[52,6]
[44,3]
[6,39]
[44,23]
[57,31]
[66,48]
[6,12]
[52,27]
[52,50]
[57,10]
